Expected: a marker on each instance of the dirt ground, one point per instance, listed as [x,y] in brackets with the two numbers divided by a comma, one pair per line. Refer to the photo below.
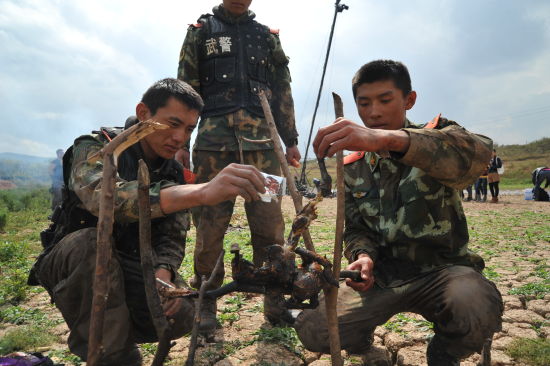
[404,342]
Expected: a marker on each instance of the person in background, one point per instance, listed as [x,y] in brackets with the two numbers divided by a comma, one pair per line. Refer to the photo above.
[481,187]
[493,177]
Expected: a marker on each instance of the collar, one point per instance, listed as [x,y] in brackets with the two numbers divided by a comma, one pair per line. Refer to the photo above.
[221,13]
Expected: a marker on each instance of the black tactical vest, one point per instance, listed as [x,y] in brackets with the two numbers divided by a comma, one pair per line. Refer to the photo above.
[233,66]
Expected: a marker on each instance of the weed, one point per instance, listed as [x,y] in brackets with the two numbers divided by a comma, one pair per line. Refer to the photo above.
[148,348]
[65,356]
[3,218]
[536,289]
[286,337]
[25,338]
[238,300]
[490,273]
[402,319]
[18,315]
[535,352]
[228,318]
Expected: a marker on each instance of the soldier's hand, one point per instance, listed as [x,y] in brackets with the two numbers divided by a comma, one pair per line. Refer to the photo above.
[293,156]
[234,180]
[365,265]
[344,134]
[170,306]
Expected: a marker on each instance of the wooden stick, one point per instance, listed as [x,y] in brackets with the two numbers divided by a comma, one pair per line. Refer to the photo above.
[296,197]
[195,331]
[162,327]
[105,230]
[331,293]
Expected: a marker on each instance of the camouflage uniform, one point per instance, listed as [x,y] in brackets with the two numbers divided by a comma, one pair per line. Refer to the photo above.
[66,268]
[406,213]
[255,52]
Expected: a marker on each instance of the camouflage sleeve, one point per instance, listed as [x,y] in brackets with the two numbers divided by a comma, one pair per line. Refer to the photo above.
[168,239]
[86,182]
[450,154]
[356,233]
[282,104]
[188,69]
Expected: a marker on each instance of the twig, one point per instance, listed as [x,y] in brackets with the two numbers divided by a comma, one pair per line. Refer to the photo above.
[296,197]
[162,327]
[204,285]
[105,230]
[331,293]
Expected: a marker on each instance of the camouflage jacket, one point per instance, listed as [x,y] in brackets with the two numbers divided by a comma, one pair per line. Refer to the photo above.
[223,133]
[168,232]
[405,210]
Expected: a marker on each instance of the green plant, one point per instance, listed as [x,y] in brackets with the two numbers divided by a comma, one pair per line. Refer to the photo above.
[490,273]
[536,289]
[25,338]
[148,348]
[535,352]
[286,337]
[65,356]
[18,315]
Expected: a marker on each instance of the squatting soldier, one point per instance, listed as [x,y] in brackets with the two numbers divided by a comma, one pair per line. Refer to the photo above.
[405,227]
[66,267]
[228,58]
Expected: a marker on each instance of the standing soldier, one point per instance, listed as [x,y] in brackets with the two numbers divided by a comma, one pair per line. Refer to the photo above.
[228,58]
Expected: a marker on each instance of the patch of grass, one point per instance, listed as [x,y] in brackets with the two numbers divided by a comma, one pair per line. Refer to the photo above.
[401,319]
[65,356]
[535,352]
[536,289]
[228,318]
[237,300]
[148,348]
[490,273]
[25,338]
[286,337]
[18,316]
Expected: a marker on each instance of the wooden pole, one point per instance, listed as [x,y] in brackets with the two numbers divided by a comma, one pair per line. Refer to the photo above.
[296,197]
[162,327]
[109,155]
[331,293]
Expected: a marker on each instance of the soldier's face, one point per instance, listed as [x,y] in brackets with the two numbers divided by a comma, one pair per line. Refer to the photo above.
[237,7]
[181,120]
[382,105]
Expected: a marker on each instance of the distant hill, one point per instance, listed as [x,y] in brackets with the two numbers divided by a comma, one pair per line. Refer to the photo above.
[24,170]
[24,158]
[519,162]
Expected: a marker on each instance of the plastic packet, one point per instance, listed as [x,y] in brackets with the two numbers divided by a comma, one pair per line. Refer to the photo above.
[274,188]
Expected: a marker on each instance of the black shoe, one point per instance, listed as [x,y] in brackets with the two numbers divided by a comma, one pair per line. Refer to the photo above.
[208,323]
[437,355]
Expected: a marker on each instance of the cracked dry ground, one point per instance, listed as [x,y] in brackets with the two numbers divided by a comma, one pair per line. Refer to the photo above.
[513,237]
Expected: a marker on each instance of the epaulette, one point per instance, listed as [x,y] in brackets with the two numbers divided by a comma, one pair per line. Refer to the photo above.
[274,31]
[353,157]
[434,122]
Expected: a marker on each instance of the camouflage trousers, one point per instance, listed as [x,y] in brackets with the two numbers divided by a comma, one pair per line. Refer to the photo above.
[464,306]
[67,272]
[265,219]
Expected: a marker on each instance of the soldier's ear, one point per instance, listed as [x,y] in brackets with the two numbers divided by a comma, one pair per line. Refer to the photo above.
[410,99]
[142,112]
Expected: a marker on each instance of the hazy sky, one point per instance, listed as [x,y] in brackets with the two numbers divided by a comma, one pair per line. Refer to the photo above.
[67,67]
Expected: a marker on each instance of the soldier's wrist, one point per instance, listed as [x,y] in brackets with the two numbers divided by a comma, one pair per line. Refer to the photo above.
[292,142]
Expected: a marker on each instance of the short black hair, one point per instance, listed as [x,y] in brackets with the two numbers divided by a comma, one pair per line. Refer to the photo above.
[158,94]
[382,70]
